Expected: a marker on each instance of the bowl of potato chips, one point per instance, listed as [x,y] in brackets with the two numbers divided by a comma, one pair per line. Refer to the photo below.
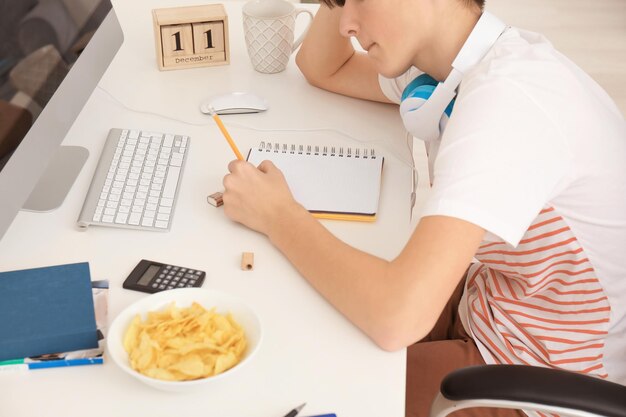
[181,339]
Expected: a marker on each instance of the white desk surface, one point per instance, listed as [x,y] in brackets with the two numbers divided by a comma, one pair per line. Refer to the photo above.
[310,352]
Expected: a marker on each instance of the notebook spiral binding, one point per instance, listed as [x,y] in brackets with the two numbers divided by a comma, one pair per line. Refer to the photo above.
[317,150]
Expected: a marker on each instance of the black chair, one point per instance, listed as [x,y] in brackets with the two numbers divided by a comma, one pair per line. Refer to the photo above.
[529,388]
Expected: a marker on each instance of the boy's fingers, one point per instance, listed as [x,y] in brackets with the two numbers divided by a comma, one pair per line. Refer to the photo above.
[265,166]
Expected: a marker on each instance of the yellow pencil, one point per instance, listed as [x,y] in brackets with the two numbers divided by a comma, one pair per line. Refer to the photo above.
[230,140]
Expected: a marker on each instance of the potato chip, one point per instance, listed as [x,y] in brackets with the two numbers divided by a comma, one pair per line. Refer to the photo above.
[181,344]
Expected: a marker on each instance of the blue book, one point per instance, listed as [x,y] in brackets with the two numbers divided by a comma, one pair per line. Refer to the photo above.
[46,310]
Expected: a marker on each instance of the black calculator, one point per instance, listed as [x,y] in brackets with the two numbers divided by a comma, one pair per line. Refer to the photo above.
[150,276]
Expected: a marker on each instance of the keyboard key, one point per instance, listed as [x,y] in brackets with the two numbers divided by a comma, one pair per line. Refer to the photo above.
[169,190]
[121,218]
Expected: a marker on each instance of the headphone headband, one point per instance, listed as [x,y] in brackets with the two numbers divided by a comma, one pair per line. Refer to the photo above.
[484,35]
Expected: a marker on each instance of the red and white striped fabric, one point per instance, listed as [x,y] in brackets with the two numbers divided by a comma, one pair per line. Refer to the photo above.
[540,303]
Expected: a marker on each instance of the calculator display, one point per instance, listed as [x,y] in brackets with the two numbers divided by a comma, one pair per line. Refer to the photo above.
[148,275]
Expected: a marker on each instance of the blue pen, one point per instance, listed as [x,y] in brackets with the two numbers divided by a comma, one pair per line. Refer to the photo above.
[24,364]
[325,415]
[65,362]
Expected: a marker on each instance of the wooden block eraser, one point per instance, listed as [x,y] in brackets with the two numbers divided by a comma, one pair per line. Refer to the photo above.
[215,199]
[247,261]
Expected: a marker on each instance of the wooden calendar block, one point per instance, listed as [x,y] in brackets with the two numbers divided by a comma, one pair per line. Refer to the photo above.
[209,37]
[177,43]
[194,36]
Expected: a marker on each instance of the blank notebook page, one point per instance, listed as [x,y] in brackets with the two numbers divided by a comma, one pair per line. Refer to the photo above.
[327,182]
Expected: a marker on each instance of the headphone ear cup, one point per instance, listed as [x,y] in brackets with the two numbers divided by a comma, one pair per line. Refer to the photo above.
[446,115]
[414,98]
[424,122]
[414,120]
[421,91]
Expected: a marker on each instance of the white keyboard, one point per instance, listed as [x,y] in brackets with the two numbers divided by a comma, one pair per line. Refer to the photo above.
[136,181]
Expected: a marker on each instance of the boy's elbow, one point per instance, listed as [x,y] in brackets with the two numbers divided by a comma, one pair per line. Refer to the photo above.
[393,341]
[401,327]
[390,345]
[306,69]
[301,64]
[392,337]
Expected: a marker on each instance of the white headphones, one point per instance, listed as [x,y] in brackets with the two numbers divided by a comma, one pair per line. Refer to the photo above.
[426,105]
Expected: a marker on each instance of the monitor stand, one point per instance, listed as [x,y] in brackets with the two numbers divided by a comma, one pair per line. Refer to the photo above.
[57,179]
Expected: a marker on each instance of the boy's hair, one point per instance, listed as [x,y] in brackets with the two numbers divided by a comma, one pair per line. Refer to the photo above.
[340,3]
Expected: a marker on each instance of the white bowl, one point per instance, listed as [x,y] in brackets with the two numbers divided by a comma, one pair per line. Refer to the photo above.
[184,297]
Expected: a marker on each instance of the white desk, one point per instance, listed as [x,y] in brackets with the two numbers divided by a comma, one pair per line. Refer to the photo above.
[310,352]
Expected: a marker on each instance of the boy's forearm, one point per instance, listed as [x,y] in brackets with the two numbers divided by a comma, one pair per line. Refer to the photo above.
[354,282]
[324,50]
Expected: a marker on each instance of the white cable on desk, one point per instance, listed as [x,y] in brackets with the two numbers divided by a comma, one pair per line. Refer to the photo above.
[255,129]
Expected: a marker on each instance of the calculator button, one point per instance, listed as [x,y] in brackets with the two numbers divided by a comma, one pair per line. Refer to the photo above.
[191,271]
[168,266]
[183,269]
[169,287]
[155,285]
[157,280]
[161,287]
[198,273]
[184,280]
[180,285]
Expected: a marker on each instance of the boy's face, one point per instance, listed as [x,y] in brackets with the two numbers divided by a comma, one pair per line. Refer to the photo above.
[391,31]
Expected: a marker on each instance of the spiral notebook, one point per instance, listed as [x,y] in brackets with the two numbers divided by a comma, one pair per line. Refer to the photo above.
[332,183]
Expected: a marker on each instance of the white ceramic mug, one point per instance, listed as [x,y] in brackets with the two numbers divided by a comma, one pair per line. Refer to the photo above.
[269,27]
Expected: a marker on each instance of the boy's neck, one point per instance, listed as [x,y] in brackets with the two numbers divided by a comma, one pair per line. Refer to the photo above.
[457,22]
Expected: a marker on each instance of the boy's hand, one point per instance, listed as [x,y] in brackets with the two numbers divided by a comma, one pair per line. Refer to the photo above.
[256,197]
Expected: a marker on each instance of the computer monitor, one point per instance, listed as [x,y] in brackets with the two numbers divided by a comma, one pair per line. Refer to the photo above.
[40,172]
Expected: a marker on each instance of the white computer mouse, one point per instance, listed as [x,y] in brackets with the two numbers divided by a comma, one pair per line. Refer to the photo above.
[234,103]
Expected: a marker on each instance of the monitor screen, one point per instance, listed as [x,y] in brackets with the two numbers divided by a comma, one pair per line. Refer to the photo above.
[42,90]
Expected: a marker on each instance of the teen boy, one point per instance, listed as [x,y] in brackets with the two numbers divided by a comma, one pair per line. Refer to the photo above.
[529,179]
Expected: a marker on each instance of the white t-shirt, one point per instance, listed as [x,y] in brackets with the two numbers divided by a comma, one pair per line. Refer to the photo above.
[535,153]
